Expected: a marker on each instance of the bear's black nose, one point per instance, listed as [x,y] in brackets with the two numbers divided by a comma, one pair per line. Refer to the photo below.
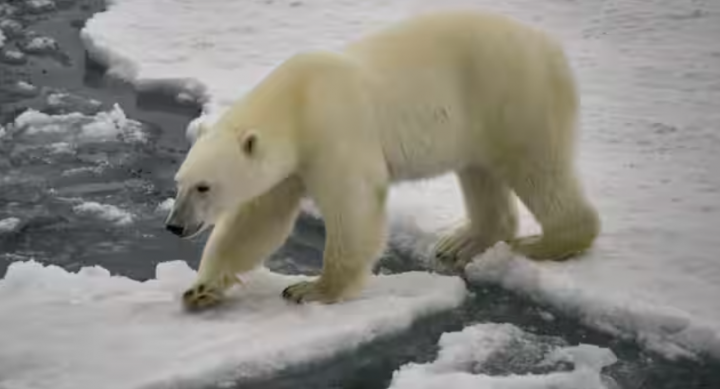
[177,230]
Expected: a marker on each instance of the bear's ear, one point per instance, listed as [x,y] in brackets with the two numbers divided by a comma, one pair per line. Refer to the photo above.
[249,143]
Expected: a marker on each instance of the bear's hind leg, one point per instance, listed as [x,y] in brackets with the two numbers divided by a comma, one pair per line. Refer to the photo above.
[242,240]
[553,194]
[492,214]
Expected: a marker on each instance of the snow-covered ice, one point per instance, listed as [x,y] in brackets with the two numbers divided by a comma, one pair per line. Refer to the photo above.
[40,5]
[109,125]
[463,354]
[85,169]
[664,329]
[90,330]
[26,87]
[107,212]
[7,9]
[10,26]
[166,205]
[64,102]
[13,55]
[9,224]
[650,78]
[55,99]
[40,44]
[204,59]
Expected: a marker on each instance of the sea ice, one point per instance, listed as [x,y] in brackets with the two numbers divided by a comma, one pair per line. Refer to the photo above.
[107,212]
[91,329]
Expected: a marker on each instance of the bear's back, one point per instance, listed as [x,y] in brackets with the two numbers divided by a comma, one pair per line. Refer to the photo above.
[442,84]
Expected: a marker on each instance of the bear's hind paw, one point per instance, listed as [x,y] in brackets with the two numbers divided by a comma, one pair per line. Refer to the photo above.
[540,248]
[459,247]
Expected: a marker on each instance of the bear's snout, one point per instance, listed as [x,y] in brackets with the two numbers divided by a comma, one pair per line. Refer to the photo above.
[175,229]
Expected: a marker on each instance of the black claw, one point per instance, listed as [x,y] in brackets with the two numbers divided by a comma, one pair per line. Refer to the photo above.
[288,296]
[200,304]
[201,288]
[187,294]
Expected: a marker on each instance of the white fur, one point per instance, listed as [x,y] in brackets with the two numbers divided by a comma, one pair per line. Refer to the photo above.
[473,93]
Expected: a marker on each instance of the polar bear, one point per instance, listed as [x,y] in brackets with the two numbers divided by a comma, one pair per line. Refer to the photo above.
[474,93]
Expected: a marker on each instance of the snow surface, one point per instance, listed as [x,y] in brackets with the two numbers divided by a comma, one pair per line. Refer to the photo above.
[2,39]
[462,353]
[107,212]
[650,78]
[91,330]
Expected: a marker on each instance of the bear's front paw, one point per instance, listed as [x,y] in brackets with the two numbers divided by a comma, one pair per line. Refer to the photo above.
[307,291]
[208,293]
[200,297]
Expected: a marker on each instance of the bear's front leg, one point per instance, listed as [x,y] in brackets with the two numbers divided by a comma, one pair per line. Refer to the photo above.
[241,240]
[352,245]
[353,209]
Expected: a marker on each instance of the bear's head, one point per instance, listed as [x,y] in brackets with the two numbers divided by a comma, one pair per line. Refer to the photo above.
[223,170]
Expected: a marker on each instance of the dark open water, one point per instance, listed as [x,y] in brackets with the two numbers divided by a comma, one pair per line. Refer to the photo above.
[140,176]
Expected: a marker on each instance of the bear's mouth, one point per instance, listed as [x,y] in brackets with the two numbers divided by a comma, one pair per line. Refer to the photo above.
[186,232]
[190,232]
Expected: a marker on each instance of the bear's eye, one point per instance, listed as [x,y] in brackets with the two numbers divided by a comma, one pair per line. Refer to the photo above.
[202,188]
[250,144]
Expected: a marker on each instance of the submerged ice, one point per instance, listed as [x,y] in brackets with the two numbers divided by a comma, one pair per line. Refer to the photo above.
[466,359]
